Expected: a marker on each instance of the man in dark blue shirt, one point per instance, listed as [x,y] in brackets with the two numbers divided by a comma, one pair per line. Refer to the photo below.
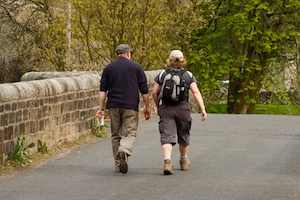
[122,80]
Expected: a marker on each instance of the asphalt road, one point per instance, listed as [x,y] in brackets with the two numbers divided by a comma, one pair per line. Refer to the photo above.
[234,157]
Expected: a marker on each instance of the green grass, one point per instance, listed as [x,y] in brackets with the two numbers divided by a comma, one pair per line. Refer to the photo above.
[259,109]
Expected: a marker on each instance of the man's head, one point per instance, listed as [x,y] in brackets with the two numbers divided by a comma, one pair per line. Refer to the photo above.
[122,49]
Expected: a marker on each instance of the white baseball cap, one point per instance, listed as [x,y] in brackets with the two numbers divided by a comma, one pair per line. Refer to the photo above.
[176,54]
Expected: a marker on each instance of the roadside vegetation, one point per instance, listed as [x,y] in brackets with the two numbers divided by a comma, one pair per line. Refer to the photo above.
[20,159]
[13,167]
[259,109]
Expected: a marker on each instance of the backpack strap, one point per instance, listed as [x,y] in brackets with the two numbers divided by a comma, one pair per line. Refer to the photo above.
[190,74]
[161,75]
[169,71]
[181,72]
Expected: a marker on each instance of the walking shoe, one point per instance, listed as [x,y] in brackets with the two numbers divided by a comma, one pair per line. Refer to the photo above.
[123,162]
[184,164]
[168,168]
[117,169]
[117,165]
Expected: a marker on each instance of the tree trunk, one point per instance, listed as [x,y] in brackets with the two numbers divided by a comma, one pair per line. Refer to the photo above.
[236,103]
[243,91]
[238,97]
[68,34]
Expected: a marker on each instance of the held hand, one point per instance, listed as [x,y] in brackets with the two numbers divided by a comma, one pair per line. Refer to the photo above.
[203,115]
[147,113]
[100,114]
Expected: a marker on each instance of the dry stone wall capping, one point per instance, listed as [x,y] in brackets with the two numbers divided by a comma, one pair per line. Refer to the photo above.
[53,110]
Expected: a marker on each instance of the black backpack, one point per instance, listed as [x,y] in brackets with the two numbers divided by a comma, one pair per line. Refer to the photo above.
[173,87]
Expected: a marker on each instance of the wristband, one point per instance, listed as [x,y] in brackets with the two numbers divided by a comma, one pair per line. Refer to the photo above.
[101,109]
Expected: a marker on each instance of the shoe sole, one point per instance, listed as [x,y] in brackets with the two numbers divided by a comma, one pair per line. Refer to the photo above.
[123,162]
[167,172]
[168,169]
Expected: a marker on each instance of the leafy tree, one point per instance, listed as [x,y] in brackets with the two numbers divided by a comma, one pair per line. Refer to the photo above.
[10,32]
[242,41]
[32,36]
[152,28]
[100,26]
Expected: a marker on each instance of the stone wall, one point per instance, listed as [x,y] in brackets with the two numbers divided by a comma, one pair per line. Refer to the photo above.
[53,110]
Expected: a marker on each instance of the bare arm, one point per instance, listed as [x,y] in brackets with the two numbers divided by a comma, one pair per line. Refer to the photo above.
[147,112]
[101,100]
[197,95]
[155,91]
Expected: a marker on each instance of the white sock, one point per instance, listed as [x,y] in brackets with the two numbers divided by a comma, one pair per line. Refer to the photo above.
[183,157]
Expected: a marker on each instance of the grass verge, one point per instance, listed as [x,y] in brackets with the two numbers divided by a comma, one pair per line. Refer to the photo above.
[38,159]
[259,109]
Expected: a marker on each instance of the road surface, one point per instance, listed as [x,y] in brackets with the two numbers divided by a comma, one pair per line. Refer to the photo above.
[234,157]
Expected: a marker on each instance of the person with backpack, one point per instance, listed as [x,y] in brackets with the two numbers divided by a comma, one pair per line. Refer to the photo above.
[171,96]
[122,80]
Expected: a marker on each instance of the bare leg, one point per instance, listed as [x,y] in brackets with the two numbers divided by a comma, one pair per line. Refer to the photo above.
[167,151]
[184,161]
[183,150]
[168,166]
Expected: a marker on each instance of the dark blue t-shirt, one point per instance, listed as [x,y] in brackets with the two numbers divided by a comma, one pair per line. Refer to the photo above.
[123,79]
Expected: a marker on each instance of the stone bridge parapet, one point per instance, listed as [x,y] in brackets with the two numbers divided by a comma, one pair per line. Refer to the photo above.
[54,107]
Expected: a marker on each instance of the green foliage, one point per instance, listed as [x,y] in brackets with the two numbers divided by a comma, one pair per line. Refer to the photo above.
[153,28]
[19,154]
[42,147]
[99,26]
[259,109]
[97,129]
[238,42]
[216,108]
[277,109]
